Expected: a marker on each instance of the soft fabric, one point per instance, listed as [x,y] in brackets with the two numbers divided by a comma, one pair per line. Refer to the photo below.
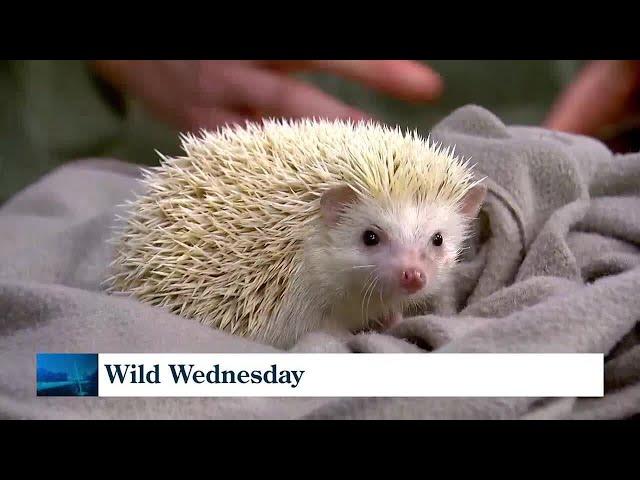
[554,266]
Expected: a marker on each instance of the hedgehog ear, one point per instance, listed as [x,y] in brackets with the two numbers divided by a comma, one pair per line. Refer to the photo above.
[473,200]
[334,201]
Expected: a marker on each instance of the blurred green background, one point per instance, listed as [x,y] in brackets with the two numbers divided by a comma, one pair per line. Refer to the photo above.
[55,111]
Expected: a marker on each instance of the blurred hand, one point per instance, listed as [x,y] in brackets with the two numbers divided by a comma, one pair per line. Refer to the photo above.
[207,93]
[604,94]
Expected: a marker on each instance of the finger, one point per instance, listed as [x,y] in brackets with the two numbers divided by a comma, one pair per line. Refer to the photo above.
[599,97]
[411,81]
[281,96]
[407,80]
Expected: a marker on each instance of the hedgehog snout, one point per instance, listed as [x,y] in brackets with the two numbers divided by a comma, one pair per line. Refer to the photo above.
[411,271]
[412,279]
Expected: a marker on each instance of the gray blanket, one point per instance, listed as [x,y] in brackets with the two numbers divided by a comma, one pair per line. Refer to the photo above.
[554,266]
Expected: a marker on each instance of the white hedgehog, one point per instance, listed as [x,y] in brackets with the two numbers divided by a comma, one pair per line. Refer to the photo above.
[276,229]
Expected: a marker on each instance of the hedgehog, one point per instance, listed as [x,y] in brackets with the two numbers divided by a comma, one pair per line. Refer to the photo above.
[274,229]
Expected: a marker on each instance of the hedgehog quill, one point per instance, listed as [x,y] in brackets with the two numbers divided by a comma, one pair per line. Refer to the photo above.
[272,230]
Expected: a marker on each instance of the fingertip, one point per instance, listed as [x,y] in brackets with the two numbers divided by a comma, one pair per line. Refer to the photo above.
[437,87]
[408,80]
[425,83]
[413,81]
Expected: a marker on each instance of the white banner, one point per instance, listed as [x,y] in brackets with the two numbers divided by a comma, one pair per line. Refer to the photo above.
[351,375]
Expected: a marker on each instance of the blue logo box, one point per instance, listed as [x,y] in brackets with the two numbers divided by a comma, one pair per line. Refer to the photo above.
[67,374]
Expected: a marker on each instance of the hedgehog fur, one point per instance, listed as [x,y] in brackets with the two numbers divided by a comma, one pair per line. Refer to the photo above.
[218,234]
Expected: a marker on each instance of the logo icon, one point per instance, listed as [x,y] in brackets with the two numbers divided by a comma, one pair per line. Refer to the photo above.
[67,374]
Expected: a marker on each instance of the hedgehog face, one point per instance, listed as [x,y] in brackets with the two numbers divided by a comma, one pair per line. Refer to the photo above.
[403,248]
[395,251]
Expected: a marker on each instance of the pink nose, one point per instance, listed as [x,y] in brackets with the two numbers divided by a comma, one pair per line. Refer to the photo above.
[412,280]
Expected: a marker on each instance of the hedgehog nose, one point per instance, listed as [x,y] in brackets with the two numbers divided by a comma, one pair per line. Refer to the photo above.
[412,279]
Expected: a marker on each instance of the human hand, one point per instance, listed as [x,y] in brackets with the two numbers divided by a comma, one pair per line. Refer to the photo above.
[207,93]
[604,95]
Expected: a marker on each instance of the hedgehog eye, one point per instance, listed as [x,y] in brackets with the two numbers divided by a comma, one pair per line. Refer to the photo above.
[370,238]
[437,239]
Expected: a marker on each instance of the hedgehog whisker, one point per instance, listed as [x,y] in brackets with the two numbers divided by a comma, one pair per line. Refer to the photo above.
[368,295]
[366,282]
[383,307]
[355,268]
[362,300]
[364,291]
[373,287]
